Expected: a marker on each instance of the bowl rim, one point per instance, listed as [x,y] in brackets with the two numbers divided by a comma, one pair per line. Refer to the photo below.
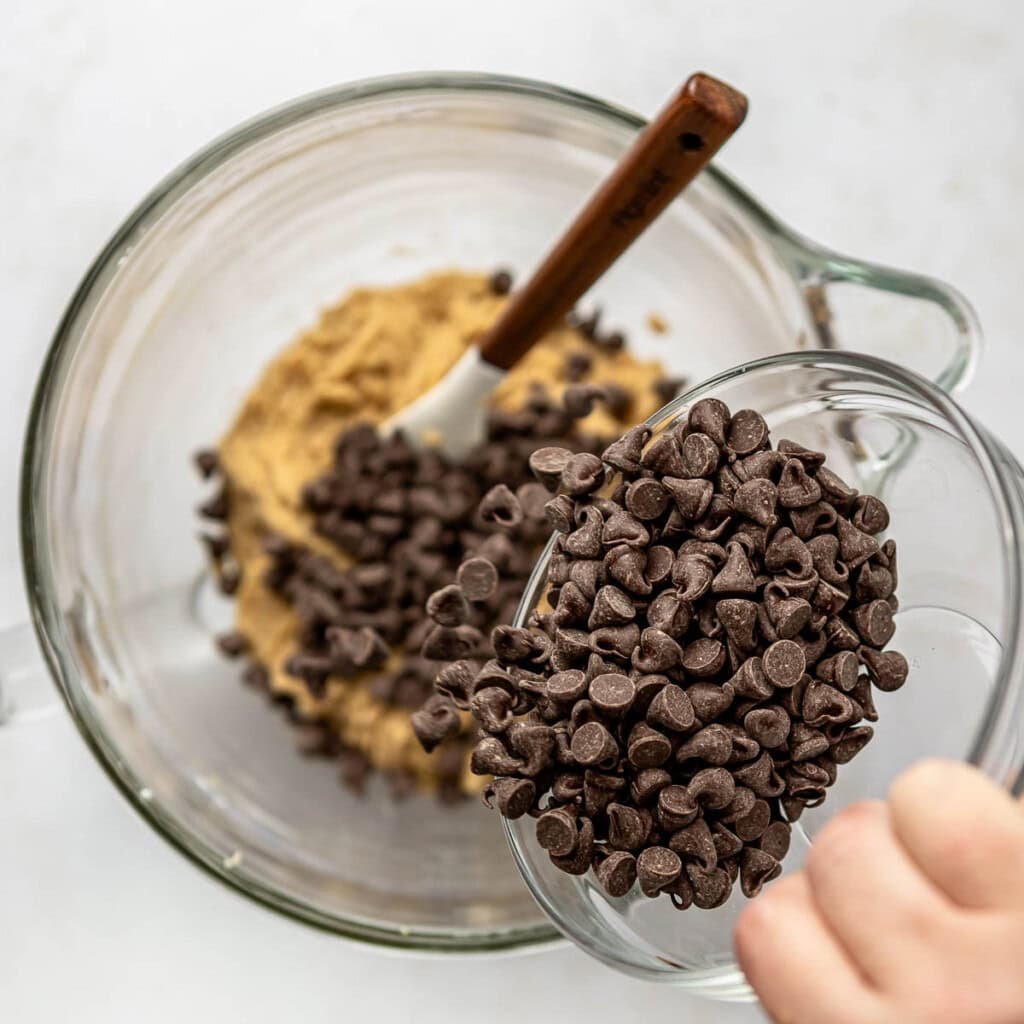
[47,617]
[995,463]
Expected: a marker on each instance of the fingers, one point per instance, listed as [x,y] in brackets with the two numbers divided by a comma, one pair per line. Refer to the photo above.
[794,964]
[872,896]
[964,833]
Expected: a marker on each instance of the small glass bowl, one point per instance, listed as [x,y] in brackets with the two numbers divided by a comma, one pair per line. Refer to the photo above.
[372,183]
[955,496]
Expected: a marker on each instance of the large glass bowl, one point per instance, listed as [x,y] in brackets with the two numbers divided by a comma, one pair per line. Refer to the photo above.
[956,499]
[217,269]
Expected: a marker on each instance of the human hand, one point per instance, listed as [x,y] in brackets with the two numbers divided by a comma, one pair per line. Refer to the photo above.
[908,911]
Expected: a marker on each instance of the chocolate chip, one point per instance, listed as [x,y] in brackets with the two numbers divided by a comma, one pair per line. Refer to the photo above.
[207,462]
[657,652]
[557,831]
[624,528]
[710,888]
[700,456]
[671,709]
[448,606]
[840,670]
[789,615]
[593,744]
[703,658]
[775,840]
[825,705]
[757,499]
[742,804]
[796,488]
[646,498]
[617,873]
[692,497]
[676,808]
[625,453]
[710,416]
[711,745]
[757,868]
[577,365]
[737,575]
[489,757]
[513,797]
[888,669]
[769,726]
[579,399]
[784,663]
[744,746]
[870,514]
[500,507]
[748,432]
[713,788]
[813,519]
[583,474]
[765,465]
[612,694]
[436,721]
[852,743]
[616,641]
[612,607]
[658,567]
[855,546]
[806,743]
[874,623]
[626,565]
[566,686]
[753,824]
[647,748]
[824,551]
[811,459]
[232,644]
[627,826]
[726,842]
[710,700]
[750,680]
[664,456]
[493,708]
[694,842]
[647,784]
[657,867]
[477,578]
[739,619]
[670,614]
[761,777]
[578,862]
[788,553]
[500,282]
[864,698]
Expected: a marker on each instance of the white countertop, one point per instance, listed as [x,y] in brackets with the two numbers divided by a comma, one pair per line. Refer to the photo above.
[890,130]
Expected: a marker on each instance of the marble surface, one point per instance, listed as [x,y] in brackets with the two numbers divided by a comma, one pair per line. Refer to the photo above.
[891,130]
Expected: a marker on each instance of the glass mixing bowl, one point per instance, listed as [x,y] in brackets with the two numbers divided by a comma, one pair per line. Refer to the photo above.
[217,269]
[956,497]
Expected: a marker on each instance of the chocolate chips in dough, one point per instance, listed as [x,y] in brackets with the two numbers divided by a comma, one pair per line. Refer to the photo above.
[332,539]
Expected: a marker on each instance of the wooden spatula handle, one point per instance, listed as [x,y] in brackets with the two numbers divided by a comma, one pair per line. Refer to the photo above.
[665,158]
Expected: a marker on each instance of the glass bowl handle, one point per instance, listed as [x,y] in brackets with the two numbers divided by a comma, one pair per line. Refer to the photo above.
[27,693]
[919,322]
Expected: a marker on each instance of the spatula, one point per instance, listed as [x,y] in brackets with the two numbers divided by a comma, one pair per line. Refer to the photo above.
[667,155]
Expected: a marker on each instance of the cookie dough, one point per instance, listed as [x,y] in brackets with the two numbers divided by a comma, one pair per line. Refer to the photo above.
[365,358]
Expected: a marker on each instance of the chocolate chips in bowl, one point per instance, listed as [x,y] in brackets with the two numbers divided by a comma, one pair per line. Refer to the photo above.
[693,672]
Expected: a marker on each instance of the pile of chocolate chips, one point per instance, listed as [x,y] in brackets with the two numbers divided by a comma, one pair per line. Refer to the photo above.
[715,620]
[408,519]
